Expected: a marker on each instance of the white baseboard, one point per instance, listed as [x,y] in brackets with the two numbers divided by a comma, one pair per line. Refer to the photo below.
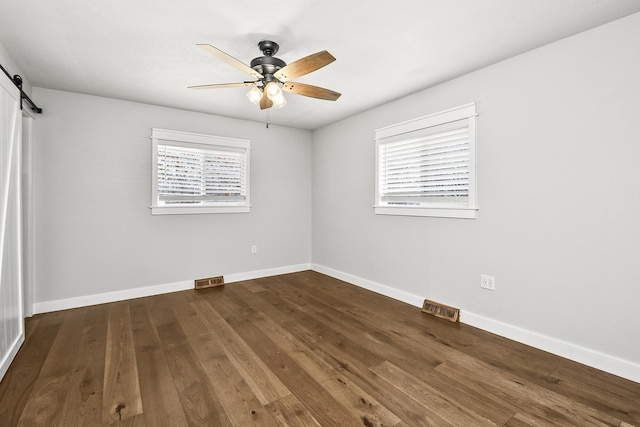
[86,300]
[238,277]
[604,362]
[396,294]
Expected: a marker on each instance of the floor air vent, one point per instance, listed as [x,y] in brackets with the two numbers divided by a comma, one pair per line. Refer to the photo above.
[441,310]
[210,282]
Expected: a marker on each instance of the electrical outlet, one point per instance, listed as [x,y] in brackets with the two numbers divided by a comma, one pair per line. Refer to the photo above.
[487,282]
[254,249]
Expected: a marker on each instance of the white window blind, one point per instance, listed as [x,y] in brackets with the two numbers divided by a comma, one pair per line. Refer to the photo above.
[423,168]
[426,166]
[196,173]
[187,175]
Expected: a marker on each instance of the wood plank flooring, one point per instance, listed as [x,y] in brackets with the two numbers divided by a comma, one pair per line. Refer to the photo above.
[300,349]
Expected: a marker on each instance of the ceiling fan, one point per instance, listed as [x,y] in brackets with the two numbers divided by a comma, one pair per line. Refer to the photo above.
[274,75]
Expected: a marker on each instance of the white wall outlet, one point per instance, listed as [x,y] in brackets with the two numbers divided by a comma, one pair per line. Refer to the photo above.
[254,249]
[487,282]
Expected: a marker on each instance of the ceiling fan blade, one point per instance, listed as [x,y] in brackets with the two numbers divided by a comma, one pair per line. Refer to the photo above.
[230,60]
[311,91]
[265,102]
[304,66]
[222,85]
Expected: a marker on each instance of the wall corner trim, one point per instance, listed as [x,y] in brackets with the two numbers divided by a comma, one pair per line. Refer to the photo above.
[604,362]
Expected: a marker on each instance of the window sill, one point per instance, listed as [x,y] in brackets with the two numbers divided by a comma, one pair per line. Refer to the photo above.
[464,213]
[184,210]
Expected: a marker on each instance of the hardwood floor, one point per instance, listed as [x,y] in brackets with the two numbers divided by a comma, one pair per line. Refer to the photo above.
[300,349]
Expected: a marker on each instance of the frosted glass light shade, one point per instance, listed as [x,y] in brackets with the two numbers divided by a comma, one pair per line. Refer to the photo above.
[278,100]
[273,90]
[255,95]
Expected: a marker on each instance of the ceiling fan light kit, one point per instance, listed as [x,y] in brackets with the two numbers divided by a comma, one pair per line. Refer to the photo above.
[273,75]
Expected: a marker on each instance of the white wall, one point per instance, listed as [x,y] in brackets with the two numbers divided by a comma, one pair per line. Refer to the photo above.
[559,200]
[95,234]
[8,63]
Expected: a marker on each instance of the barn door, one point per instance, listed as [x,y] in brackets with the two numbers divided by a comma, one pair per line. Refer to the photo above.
[11,304]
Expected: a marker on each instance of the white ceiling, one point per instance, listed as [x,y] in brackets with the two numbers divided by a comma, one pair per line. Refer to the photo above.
[144,50]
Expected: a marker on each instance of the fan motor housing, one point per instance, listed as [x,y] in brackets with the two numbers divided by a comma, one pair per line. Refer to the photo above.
[267,64]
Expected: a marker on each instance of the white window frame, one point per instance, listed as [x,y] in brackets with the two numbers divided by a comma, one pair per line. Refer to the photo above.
[201,142]
[466,115]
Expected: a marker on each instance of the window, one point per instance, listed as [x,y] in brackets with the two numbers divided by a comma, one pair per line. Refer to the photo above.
[426,166]
[195,173]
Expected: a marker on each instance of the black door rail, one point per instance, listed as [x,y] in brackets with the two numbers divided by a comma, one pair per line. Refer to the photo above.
[17,80]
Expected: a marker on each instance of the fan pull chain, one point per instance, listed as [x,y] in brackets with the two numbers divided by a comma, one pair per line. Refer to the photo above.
[268,118]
